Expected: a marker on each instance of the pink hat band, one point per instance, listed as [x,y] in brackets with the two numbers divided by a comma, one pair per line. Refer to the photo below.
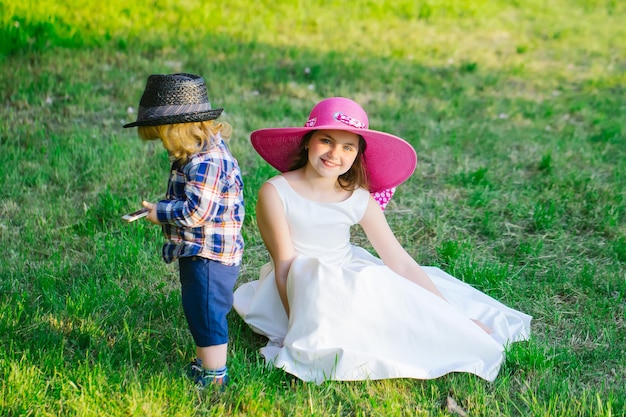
[389,160]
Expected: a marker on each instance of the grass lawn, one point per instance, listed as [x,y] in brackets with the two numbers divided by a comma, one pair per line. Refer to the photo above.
[516,110]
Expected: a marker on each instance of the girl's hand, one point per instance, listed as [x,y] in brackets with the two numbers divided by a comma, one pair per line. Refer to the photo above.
[152,215]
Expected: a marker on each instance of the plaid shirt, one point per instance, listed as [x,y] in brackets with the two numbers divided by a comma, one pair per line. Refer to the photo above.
[203,211]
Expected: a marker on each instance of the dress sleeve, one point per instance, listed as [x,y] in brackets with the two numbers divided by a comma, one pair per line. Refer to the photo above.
[361,198]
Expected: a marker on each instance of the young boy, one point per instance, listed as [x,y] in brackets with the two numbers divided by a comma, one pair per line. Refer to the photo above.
[202,212]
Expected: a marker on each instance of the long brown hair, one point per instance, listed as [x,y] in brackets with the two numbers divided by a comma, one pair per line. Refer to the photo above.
[355,177]
[183,140]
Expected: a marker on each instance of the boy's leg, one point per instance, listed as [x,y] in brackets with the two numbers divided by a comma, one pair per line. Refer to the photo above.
[212,357]
[207,296]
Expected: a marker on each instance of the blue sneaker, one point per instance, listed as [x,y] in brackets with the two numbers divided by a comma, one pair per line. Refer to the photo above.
[203,377]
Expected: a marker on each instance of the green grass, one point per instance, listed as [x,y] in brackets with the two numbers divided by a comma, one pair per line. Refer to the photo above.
[517,113]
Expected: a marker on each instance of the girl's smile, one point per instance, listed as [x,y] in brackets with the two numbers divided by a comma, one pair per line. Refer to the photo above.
[332,152]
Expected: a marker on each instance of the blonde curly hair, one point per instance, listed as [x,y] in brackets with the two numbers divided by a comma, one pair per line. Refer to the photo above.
[182,140]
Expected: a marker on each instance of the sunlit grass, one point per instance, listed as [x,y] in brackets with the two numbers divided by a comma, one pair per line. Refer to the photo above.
[516,110]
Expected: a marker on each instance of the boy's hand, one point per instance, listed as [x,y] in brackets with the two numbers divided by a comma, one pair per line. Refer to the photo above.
[152,215]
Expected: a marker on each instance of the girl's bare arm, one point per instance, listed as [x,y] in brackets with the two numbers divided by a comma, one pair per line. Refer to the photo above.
[389,249]
[272,224]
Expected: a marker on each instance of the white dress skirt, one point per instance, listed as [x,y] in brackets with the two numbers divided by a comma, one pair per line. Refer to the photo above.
[353,318]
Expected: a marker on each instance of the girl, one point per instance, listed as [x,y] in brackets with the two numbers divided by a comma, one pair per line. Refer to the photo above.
[202,212]
[332,310]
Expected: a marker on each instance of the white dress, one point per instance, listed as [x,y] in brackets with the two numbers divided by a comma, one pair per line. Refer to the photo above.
[352,318]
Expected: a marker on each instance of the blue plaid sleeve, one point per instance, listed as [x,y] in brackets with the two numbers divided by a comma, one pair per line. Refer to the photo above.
[196,195]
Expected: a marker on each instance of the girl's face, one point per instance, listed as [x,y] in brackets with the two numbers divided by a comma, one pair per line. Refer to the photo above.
[332,152]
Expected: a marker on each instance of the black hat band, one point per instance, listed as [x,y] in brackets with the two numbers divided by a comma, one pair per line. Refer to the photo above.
[146,113]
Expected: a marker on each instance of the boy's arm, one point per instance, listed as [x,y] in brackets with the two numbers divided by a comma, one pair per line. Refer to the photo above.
[201,199]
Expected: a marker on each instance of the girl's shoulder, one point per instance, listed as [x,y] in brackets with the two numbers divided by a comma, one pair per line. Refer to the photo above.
[284,179]
[290,175]
[277,179]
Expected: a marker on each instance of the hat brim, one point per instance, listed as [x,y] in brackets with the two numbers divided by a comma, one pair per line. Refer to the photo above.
[178,118]
[389,160]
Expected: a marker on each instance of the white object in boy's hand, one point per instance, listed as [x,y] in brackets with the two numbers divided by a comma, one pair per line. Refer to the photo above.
[131,217]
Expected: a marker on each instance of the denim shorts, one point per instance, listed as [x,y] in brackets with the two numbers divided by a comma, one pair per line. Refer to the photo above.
[207,297]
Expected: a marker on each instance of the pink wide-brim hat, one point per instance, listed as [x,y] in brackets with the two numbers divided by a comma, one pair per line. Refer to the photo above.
[389,160]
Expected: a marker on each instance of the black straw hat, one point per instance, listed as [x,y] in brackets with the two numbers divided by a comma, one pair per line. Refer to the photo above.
[174,98]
